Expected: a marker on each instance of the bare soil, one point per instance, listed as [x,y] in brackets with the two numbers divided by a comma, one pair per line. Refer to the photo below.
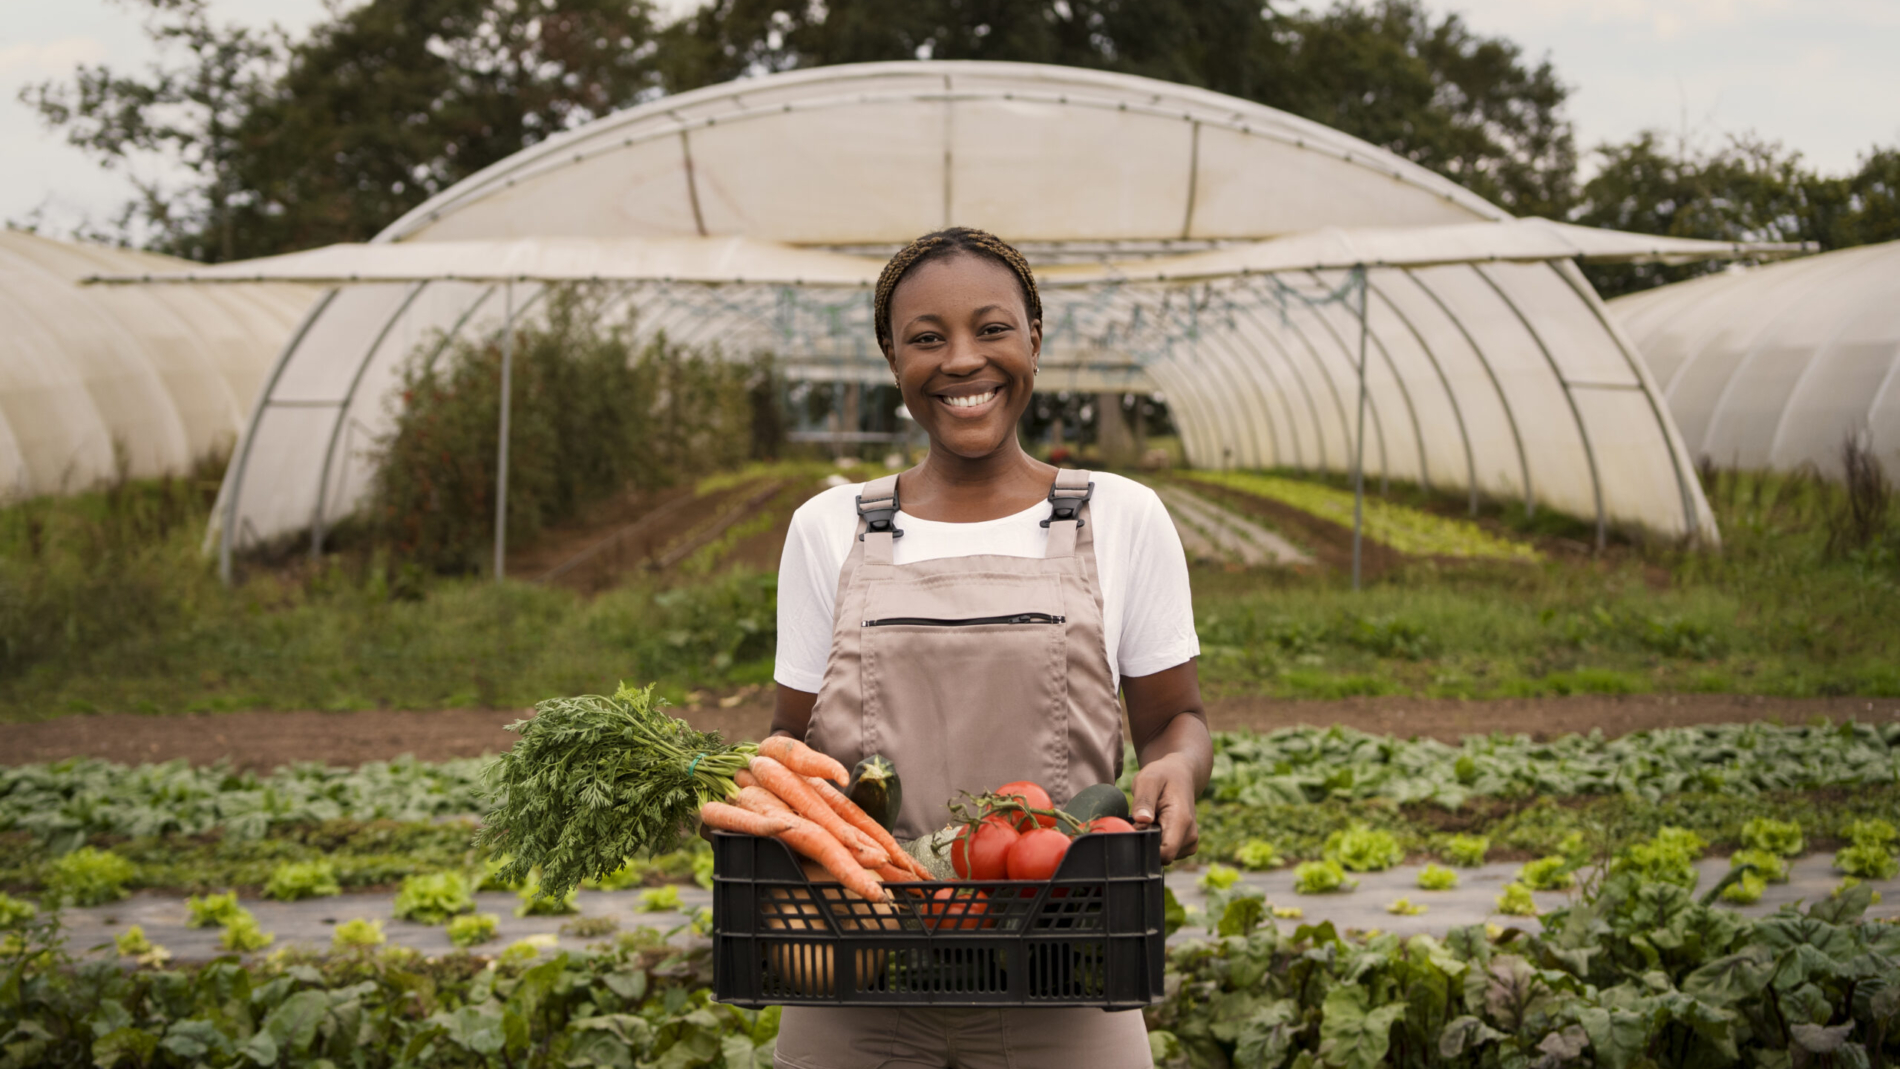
[264,740]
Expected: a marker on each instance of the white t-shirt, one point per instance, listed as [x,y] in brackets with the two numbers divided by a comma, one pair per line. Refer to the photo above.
[1138,561]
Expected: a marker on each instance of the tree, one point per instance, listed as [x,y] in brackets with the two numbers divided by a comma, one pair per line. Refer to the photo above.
[331,139]
[187,112]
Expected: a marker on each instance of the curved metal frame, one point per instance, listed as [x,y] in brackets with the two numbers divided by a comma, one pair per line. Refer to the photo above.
[1451,395]
[1504,400]
[343,410]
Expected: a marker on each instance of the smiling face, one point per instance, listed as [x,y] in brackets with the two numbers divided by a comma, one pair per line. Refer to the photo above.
[964,351]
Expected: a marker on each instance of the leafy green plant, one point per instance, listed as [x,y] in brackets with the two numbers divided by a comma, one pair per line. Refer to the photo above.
[241,933]
[212,911]
[433,898]
[14,911]
[1258,854]
[1871,833]
[473,929]
[1746,890]
[1404,529]
[1516,901]
[1467,851]
[590,927]
[1219,877]
[1320,877]
[89,877]
[1768,835]
[534,903]
[361,933]
[628,875]
[1404,907]
[1437,878]
[660,900]
[1668,857]
[1868,861]
[132,941]
[1363,849]
[1547,874]
[1768,865]
[297,880]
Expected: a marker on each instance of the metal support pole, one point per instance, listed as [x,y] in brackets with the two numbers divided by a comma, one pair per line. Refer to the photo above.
[501,462]
[1359,437]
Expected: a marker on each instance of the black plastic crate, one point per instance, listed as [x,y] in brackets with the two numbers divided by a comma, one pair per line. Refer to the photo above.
[1092,936]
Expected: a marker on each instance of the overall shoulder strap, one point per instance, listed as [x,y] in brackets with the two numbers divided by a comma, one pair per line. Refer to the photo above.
[877,519]
[1068,500]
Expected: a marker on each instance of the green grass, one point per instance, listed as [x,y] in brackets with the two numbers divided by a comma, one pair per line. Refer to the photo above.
[107,604]
[1405,529]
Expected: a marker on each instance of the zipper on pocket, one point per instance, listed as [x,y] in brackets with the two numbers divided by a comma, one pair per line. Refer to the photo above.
[968,621]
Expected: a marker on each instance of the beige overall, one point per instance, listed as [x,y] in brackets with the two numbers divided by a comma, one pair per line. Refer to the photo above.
[968,672]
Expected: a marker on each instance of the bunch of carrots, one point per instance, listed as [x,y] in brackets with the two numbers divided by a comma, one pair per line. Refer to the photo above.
[790,792]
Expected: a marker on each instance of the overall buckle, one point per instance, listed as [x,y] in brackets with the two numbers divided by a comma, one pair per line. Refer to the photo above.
[1067,505]
[880,520]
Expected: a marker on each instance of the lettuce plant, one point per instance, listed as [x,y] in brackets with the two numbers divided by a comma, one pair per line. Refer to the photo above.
[1517,901]
[1668,857]
[1404,907]
[1258,854]
[1871,833]
[1219,877]
[132,942]
[1767,864]
[212,911]
[473,929]
[360,933]
[665,900]
[1467,851]
[1547,874]
[434,897]
[1768,835]
[293,881]
[89,877]
[241,933]
[1363,849]
[14,911]
[536,904]
[1320,877]
[1437,878]
[1745,891]
[1868,861]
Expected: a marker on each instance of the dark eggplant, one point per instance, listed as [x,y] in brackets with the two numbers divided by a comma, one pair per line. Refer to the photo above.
[876,789]
[1101,800]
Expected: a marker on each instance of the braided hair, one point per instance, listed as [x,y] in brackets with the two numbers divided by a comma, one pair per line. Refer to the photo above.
[942,243]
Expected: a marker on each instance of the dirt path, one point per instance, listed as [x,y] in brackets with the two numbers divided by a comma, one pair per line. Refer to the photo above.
[264,740]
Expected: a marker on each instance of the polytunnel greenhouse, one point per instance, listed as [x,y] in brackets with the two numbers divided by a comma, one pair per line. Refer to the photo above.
[1188,243]
[94,381]
[1776,367]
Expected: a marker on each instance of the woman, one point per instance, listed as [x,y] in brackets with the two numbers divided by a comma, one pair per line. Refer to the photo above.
[971,619]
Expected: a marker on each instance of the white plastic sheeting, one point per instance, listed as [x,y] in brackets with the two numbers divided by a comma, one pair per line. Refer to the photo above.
[166,375]
[1774,367]
[1503,377]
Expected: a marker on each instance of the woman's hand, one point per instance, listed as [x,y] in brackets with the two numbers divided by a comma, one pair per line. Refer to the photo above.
[1164,795]
[1175,751]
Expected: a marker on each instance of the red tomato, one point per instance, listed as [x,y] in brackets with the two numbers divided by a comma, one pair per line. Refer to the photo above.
[1032,796]
[957,908]
[1101,824]
[1037,854]
[983,854]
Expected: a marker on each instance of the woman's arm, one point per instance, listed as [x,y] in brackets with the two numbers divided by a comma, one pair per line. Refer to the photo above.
[1173,747]
[791,712]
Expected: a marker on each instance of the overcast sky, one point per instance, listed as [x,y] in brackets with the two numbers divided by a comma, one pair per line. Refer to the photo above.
[1817,75]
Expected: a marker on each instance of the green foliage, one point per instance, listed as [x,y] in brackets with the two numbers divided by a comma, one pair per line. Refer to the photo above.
[1467,851]
[1516,901]
[1768,835]
[433,898]
[538,902]
[590,415]
[596,780]
[1667,857]
[1769,866]
[473,929]
[212,911]
[1320,877]
[1404,907]
[241,933]
[361,933]
[1547,874]
[14,912]
[590,927]
[1363,849]
[1258,854]
[1867,860]
[132,941]
[660,900]
[1404,529]
[1219,877]
[1746,890]
[1437,878]
[297,880]
[89,877]
[1873,832]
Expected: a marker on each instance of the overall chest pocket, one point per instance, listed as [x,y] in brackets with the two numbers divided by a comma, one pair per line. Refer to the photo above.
[965,687]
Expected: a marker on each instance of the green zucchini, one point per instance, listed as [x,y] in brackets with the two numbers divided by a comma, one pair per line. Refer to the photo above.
[1101,800]
[877,790]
